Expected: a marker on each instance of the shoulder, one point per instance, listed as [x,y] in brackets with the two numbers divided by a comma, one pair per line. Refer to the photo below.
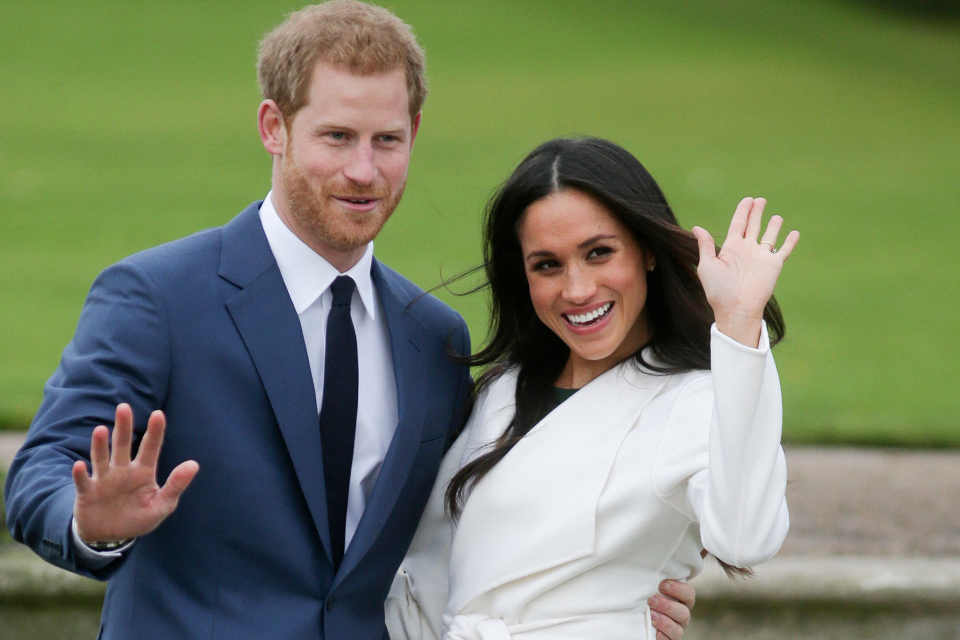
[200,254]
[427,308]
[181,254]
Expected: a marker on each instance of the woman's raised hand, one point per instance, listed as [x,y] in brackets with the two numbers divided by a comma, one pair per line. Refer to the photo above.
[740,279]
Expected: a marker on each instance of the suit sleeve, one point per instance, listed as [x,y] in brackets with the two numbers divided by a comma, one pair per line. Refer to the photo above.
[464,402]
[119,353]
[739,498]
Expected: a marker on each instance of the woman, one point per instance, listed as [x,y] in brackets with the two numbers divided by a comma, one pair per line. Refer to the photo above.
[616,434]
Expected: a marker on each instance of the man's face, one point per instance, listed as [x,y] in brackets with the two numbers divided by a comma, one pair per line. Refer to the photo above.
[344,167]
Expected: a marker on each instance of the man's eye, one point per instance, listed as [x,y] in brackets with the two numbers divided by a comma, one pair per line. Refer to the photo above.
[338,135]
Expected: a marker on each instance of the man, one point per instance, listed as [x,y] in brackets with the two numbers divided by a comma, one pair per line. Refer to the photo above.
[312,385]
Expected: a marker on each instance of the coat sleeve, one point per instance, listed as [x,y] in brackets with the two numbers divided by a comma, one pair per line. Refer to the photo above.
[739,498]
[418,597]
[119,353]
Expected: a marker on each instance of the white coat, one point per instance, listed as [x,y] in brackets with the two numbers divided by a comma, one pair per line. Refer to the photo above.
[618,488]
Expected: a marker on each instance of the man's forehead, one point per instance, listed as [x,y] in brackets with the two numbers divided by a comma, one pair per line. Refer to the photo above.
[333,86]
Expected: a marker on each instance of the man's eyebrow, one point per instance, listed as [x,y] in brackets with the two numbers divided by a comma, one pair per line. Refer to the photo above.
[392,128]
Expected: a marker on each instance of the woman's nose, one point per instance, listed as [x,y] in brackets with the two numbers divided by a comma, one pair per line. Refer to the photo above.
[578,286]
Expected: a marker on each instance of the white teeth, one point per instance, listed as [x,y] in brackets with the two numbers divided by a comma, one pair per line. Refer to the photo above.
[584,318]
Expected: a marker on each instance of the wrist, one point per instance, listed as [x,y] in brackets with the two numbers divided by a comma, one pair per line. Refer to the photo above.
[100,545]
[745,329]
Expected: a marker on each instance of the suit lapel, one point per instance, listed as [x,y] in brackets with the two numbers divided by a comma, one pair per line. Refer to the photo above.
[268,324]
[407,337]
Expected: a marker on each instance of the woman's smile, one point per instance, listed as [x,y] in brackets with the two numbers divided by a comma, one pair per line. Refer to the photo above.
[590,319]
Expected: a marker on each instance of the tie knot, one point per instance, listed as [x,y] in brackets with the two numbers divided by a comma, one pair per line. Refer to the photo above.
[342,289]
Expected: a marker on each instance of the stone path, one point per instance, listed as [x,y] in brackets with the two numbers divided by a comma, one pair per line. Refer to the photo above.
[873,502]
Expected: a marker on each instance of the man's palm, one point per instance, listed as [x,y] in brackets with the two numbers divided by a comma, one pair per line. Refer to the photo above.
[122,499]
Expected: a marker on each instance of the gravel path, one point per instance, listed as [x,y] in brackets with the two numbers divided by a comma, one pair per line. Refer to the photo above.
[848,501]
[871,501]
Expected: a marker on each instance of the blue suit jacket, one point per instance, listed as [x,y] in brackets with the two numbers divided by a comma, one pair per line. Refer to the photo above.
[204,329]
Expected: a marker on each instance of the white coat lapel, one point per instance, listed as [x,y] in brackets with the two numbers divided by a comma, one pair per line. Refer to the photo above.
[537,508]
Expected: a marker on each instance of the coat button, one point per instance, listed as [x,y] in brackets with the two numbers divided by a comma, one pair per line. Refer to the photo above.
[330,602]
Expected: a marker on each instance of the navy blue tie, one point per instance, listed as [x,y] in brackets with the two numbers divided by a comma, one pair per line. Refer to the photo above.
[338,413]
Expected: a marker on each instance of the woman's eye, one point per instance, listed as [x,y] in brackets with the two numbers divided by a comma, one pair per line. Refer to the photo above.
[598,252]
[545,265]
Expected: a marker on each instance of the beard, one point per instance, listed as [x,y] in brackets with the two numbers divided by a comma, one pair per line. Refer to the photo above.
[333,225]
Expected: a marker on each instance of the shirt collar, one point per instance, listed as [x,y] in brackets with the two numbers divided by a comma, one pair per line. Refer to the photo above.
[306,273]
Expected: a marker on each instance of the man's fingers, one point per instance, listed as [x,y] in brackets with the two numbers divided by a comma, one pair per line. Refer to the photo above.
[676,611]
[738,224]
[680,591]
[708,249]
[122,435]
[152,440]
[81,480]
[755,219]
[177,482]
[100,451]
[666,628]
[792,239]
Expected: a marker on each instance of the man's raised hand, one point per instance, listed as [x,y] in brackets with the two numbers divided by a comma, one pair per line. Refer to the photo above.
[740,279]
[122,500]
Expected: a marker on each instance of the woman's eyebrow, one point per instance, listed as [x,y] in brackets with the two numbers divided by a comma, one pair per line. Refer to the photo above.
[539,254]
[598,238]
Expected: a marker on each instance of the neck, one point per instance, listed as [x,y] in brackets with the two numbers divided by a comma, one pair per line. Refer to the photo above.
[580,371]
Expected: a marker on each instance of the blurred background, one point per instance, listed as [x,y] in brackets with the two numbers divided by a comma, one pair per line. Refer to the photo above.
[127,124]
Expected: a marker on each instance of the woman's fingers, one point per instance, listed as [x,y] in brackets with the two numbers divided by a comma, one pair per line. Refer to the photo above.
[792,239]
[773,230]
[122,435]
[152,440]
[100,451]
[755,219]
[738,224]
[708,249]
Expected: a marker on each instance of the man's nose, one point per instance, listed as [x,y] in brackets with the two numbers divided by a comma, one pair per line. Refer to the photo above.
[361,168]
[578,286]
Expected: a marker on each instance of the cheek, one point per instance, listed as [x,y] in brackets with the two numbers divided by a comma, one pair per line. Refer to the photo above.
[632,285]
[542,297]
[394,167]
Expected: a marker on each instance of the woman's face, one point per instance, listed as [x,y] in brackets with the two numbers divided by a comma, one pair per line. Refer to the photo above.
[588,280]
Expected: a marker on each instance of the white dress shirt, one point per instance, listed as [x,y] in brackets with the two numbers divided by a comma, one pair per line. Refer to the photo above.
[308,277]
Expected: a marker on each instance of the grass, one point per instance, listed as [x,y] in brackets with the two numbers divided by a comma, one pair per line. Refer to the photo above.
[129,124]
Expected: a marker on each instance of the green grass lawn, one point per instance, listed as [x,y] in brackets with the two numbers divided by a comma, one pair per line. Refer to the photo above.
[127,124]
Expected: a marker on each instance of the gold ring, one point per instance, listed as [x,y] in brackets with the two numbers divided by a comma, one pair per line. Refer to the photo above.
[773,249]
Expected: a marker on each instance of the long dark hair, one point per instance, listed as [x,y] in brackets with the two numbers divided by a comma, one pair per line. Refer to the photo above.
[677,310]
